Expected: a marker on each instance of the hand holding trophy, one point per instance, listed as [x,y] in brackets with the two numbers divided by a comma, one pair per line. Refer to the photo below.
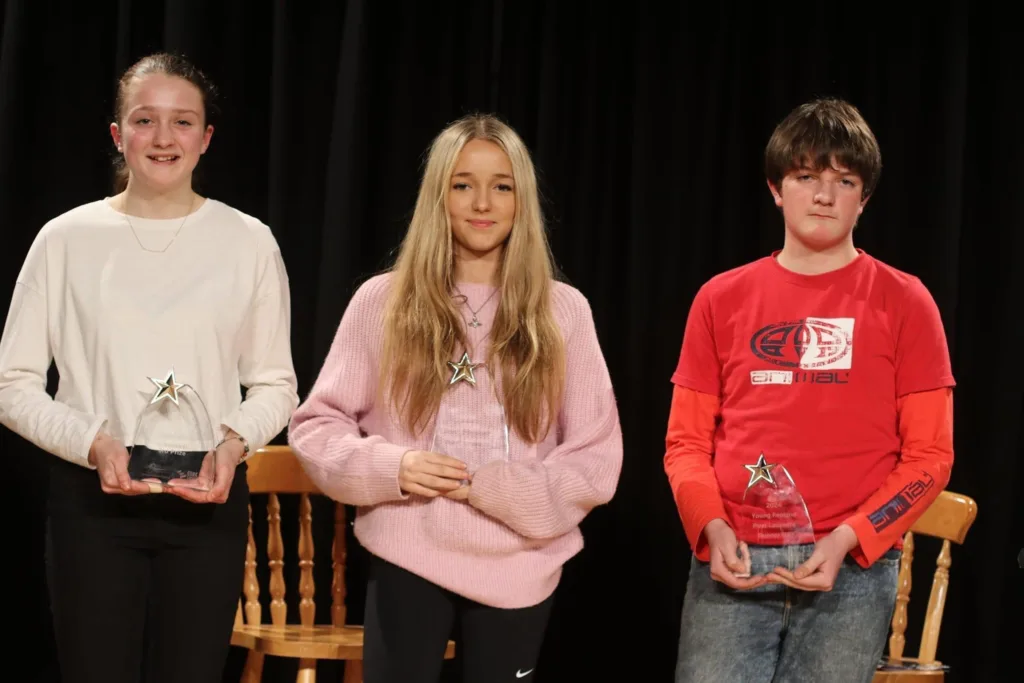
[819,572]
[487,431]
[219,466]
[771,513]
[730,558]
[110,458]
[778,516]
[174,447]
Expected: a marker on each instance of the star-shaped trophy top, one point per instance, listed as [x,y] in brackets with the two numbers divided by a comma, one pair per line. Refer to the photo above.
[760,470]
[166,388]
[463,370]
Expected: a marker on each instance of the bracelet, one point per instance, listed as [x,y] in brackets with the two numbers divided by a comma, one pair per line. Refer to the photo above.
[245,445]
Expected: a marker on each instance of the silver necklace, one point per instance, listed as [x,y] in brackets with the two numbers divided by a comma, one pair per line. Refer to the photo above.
[167,246]
[474,322]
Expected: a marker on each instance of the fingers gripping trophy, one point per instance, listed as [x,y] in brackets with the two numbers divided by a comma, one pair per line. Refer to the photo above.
[772,512]
[174,442]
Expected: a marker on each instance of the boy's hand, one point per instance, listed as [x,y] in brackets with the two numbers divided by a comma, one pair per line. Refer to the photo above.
[819,572]
[730,561]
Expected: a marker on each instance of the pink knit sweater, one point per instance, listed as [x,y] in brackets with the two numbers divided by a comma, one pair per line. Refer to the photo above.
[506,545]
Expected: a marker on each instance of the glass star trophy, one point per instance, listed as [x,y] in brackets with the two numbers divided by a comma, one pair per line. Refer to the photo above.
[772,512]
[174,442]
[474,439]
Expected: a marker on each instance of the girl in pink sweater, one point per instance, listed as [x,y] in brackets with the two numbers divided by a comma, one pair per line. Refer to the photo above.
[466,409]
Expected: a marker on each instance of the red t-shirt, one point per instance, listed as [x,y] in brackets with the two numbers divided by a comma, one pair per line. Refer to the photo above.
[809,371]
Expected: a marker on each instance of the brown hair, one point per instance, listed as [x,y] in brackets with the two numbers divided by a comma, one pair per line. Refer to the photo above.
[820,133]
[169,65]
[423,327]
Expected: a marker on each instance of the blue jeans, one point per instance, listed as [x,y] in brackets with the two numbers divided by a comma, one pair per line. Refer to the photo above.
[775,634]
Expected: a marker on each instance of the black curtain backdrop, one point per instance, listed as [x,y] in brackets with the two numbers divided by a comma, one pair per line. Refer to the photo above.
[648,126]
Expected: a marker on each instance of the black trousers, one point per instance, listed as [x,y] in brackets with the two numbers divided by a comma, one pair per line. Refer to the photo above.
[142,588]
[409,621]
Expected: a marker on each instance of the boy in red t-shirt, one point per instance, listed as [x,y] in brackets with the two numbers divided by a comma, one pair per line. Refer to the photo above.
[817,367]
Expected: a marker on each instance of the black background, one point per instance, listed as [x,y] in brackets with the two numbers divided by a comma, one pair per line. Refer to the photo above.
[648,127]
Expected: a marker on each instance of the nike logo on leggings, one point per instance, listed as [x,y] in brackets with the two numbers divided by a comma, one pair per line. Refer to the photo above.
[521,674]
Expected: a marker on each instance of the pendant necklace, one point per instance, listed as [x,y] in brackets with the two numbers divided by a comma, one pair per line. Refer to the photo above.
[474,323]
[463,370]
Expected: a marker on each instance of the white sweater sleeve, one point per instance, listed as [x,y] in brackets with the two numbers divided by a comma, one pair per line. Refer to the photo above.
[265,363]
[25,357]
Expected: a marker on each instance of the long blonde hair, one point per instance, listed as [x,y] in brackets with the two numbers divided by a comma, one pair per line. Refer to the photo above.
[423,327]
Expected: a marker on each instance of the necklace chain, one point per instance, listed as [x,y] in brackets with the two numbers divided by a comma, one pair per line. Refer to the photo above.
[474,322]
[136,235]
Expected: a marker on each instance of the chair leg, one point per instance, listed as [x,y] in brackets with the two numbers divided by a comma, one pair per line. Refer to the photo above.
[307,671]
[353,671]
[253,671]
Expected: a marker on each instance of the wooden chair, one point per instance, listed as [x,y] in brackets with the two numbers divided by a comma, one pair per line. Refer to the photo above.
[949,517]
[275,470]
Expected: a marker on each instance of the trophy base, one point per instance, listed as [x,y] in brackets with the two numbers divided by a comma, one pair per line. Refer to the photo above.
[170,468]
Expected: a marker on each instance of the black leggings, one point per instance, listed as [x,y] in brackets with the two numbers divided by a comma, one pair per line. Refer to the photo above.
[142,588]
[409,620]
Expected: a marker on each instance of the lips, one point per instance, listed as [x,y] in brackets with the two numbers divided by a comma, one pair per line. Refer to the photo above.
[163,158]
[480,224]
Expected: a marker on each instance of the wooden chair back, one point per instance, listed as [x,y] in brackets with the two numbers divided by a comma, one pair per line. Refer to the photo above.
[274,470]
[949,518]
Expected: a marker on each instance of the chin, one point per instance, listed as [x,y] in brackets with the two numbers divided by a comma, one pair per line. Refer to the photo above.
[482,249]
[480,243]
[821,236]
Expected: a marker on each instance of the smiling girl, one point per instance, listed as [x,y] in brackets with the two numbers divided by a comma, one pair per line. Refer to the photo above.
[466,409]
[116,292]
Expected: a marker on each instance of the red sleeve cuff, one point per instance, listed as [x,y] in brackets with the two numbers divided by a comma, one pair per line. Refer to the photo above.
[694,522]
[869,547]
[700,545]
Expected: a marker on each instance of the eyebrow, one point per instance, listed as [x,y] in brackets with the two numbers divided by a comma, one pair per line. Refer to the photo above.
[816,170]
[465,174]
[146,107]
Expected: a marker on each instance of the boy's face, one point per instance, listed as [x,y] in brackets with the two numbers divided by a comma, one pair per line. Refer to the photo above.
[820,207]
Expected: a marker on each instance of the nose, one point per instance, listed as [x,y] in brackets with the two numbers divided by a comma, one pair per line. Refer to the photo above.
[481,200]
[825,193]
[163,137]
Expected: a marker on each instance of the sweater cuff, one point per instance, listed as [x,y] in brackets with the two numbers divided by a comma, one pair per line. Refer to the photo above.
[485,488]
[81,457]
[383,463]
[244,428]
